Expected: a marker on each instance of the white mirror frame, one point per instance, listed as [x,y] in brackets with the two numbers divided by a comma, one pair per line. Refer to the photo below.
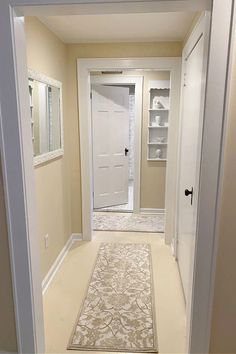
[40,159]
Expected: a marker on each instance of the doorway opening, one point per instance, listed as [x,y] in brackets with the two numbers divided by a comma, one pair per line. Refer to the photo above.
[86,202]
[136,158]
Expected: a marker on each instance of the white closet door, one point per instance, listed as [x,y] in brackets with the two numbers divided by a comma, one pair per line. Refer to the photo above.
[110,120]
[191,136]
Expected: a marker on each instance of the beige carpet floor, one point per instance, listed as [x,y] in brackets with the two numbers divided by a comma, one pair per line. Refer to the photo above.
[118,311]
[63,299]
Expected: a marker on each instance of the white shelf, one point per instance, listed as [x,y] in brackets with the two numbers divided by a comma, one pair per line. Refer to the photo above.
[158,126]
[159,96]
[158,109]
[159,88]
[159,84]
[150,159]
[155,143]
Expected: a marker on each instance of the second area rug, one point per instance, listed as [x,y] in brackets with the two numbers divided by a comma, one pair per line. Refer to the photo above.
[118,311]
[107,221]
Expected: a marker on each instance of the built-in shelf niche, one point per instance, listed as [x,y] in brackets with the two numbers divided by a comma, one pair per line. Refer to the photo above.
[158,122]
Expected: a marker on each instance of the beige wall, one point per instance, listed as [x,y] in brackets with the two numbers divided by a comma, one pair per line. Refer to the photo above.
[58,184]
[7,317]
[109,50]
[153,173]
[48,55]
[223,332]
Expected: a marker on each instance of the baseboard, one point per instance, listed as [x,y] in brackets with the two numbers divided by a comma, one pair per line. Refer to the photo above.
[58,262]
[152,211]
[76,237]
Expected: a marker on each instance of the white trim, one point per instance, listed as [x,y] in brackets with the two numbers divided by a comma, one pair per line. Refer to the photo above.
[51,155]
[84,66]
[18,175]
[172,150]
[16,155]
[44,158]
[108,6]
[137,81]
[77,237]
[199,320]
[36,75]
[59,260]
[152,211]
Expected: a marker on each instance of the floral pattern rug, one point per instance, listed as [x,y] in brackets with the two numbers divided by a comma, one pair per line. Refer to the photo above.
[107,221]
[118,311]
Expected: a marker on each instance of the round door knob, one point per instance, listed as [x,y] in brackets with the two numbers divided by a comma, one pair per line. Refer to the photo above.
[187,192]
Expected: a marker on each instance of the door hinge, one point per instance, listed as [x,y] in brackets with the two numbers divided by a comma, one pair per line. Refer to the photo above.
[91,95]
[185,80]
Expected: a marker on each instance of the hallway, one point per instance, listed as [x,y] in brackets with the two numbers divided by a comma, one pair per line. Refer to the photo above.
[64,297]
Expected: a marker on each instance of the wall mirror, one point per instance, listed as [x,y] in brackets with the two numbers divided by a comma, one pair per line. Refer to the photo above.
[46,117]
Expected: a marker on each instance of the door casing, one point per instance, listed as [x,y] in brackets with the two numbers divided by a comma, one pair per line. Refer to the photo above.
[84,67]
[16,153]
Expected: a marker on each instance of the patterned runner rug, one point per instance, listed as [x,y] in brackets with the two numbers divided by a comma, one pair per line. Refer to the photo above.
[118,311]
[107,221]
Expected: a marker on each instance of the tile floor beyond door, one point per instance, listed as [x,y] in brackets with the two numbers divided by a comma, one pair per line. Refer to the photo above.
[63,298]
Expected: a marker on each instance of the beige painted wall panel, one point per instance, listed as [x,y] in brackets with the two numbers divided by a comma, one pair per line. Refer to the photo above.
[126,50]
[8,341]
[153,173]
[223,335]
[48,55]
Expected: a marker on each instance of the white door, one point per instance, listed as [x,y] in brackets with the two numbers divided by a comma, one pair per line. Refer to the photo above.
[110,120]
[191,134]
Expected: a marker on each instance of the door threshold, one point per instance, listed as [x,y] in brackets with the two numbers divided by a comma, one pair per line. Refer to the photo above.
[113,210]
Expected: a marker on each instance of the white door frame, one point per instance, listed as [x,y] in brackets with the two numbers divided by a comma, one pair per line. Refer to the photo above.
[84,67]
[17,166]
[137,81]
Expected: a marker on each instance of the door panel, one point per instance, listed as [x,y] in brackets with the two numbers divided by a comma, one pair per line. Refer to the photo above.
[110,120]
[191,135]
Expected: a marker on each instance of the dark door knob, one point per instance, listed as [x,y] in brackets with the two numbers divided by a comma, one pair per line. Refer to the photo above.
[126,151]
[188,192]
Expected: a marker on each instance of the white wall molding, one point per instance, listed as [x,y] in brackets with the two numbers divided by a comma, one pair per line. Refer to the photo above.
[152,211]
[50,155]
[59,260]
[84,67]
[77,237]
[199,321]
[94,7]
